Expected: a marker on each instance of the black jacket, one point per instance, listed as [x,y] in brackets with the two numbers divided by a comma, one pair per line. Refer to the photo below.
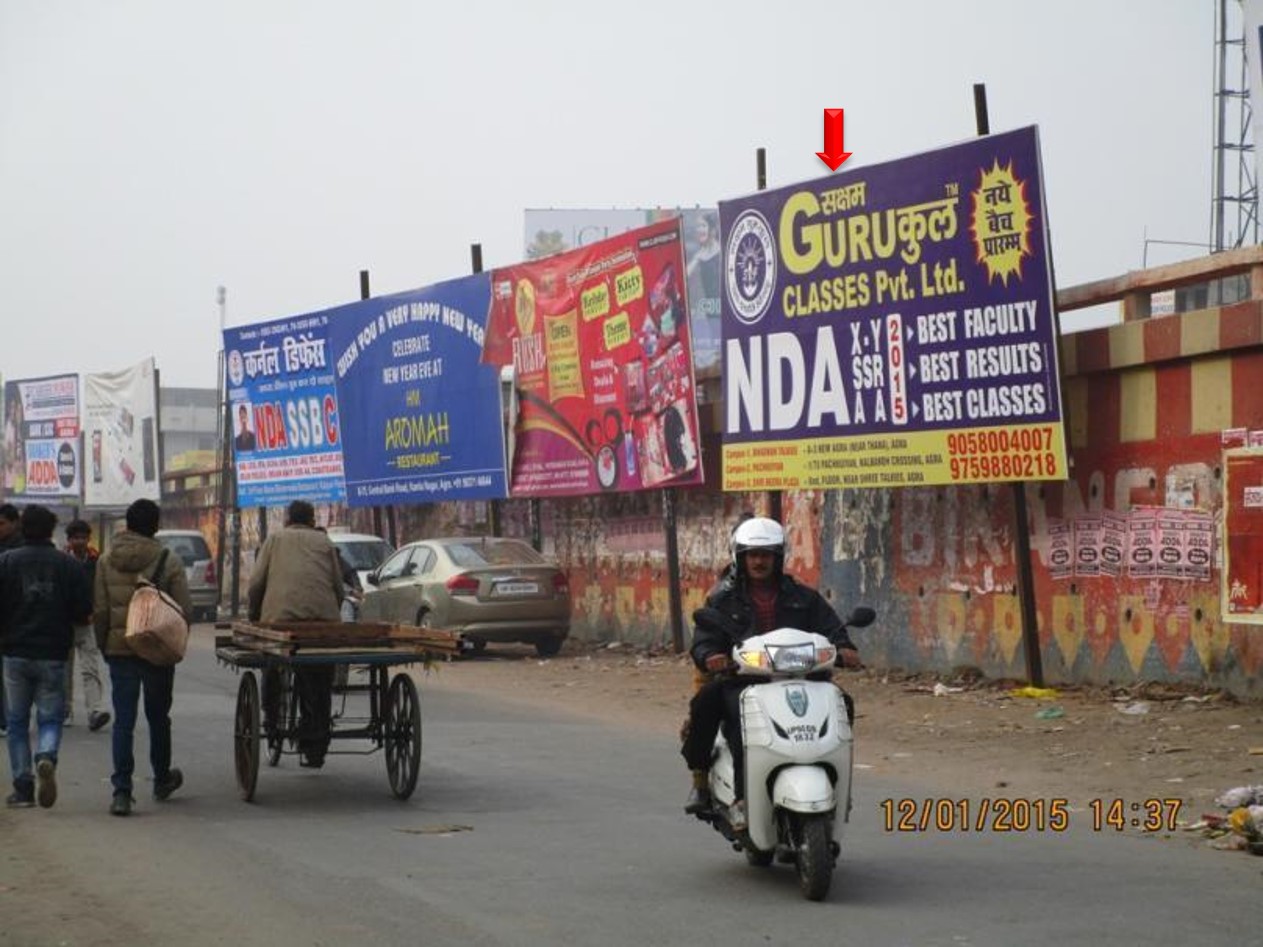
[43,595]
[728,617]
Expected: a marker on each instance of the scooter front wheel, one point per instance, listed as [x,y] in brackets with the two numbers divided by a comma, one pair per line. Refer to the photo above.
[815,861]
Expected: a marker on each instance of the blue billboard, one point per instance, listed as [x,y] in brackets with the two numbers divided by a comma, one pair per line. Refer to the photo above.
[423,416]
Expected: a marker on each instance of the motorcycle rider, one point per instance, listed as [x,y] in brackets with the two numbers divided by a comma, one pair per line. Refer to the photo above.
[755,597]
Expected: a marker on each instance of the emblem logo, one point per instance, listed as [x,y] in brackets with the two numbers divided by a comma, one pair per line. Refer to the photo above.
[796,697]
[750,267]
[236,368]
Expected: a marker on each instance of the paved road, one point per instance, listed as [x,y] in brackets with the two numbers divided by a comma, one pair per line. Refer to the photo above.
[529,828]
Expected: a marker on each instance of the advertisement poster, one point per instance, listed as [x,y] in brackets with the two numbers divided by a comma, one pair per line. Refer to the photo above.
[1087,544]
[120,436]
[1060,549]
[41,439]
[549,232]
[428,422]
[1113,543]
[1142,543]
[1170,543]
[598,341]
[286,429]
[1242,592]
[894,325]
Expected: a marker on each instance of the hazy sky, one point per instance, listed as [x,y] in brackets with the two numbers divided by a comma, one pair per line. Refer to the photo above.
[152,150]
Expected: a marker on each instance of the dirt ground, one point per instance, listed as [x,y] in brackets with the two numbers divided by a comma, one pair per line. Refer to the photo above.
[973,738]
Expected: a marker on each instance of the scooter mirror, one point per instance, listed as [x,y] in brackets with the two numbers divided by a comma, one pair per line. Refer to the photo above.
[861,617]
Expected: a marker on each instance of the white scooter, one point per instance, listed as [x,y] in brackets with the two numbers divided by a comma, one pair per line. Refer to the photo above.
[797,736]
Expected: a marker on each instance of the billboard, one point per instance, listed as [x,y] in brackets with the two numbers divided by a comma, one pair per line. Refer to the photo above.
[428,423]
[599,345]
[41,439]
[1241,596]
[555,231]
[286,428]
[894,325]
[120,436]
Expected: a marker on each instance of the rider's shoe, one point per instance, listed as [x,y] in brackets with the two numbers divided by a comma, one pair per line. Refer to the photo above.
[698,800]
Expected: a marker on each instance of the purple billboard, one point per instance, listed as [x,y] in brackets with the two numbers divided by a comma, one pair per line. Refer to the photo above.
[894,325]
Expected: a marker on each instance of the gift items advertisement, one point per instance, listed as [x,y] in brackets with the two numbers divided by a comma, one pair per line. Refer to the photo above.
[598,343]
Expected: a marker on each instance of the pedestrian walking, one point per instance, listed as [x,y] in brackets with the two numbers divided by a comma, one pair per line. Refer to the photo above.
[43,595]
[85,652]
[135,554]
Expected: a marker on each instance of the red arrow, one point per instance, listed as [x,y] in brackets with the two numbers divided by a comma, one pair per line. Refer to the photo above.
[833,154]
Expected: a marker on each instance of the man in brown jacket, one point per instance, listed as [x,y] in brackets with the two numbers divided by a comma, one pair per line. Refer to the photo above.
[296,577]
[133,553]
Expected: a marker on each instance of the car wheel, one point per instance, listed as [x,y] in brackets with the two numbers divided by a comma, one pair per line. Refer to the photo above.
[547,647]
[479,645]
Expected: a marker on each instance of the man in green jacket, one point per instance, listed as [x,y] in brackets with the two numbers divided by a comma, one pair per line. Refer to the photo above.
[132,554]
[297,577]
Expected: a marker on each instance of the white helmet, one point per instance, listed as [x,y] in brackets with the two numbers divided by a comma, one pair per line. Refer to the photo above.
[759,533]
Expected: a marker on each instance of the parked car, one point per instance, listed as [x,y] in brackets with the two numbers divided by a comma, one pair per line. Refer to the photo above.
[199,567]
[363,553]
[488,589]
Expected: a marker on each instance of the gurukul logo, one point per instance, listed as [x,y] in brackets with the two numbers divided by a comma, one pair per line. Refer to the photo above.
[236,368]
[750,260]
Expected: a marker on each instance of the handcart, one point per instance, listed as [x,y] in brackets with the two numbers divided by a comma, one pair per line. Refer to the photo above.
[267,712]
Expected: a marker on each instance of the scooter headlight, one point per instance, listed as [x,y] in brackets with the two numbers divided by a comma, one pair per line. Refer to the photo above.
[790,658]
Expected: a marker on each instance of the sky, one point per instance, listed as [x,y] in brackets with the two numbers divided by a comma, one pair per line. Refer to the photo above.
[154,150]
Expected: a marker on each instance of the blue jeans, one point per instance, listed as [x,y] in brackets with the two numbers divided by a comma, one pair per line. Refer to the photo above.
[128,677]
[42,684]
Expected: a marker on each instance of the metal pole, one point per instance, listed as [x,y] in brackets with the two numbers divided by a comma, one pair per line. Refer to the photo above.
[493,508]
[673,569]
[365,293]
[775,506]
[1022,530]
[223,446]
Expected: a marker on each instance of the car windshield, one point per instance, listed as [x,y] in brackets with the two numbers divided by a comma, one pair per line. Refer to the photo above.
[503,553]
[366,555]
[190,549]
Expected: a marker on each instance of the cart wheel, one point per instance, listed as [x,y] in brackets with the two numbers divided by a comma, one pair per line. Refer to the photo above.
[246,743]
[277,718]
[403,736]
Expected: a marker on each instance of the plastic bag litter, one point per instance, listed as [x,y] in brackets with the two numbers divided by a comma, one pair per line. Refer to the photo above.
[1134,709]
[1049,713]
[941,690]
[1038,693]
[1240,796]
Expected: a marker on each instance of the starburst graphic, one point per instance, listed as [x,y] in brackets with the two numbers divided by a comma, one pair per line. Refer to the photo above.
[1001,222]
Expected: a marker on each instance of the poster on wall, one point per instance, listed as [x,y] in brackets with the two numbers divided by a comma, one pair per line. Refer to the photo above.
[120,436]
[41,439]
[551,231]
[1242,590]
[428,420]
[599,345]
[286,428]
[894,325]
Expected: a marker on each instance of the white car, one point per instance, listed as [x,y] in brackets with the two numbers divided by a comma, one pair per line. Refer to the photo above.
[363,553]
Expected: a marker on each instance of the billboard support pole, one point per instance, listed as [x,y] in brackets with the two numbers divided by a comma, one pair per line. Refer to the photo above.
[1022,530]
[673,569]
[775,506]
[493,508]
[365,293]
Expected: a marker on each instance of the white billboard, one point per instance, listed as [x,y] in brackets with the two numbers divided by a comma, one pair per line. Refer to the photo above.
[120,436]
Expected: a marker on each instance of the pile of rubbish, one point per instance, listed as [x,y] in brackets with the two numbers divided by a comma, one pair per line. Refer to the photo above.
[1241,830]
